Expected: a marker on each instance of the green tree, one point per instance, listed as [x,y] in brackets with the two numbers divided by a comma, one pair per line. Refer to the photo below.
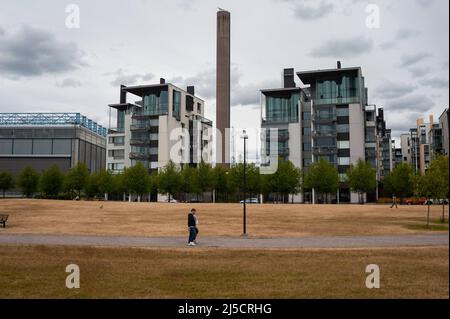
[323,177]
[92,188]
[220,181]
[105,182]
[6,181]
[153,184]
[51,182]
[286,180]
[76,179]
[253,179]
[136,180]
[28,181]
[439,170]
[205,178]
[189,180]
[426,188]
[400,182]
[362,178]
[119,187]
[169,180]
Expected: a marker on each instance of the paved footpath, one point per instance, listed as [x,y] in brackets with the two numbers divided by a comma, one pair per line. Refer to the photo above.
[230,242]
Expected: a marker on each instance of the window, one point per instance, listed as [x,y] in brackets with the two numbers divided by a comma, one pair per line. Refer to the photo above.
[306,162]
[116,166]
[117,140]
[339,89]
[306,131]
[153,165]
[155,103]
[306,115]
[153,151]
[176,104]
[307,147]
[199,108]
[282,109]
[116,154]
[154,136]
[342,111]
[343,144]
[343,128]
[344,160]
[120,121]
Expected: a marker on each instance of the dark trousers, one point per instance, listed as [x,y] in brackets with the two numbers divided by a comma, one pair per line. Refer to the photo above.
[192,234]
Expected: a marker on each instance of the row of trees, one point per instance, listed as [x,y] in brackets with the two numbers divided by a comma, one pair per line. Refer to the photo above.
[227,184]
[404,182]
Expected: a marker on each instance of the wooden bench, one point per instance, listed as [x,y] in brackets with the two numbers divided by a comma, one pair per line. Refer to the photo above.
[3,219]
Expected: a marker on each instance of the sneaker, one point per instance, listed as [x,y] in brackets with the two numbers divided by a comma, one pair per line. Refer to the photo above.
[191,243]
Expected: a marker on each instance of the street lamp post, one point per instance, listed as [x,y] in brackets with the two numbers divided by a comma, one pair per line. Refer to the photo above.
[245,137]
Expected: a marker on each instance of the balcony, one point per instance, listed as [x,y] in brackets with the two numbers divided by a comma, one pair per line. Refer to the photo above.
[138,141]
[141,156]
[161,110]
[135,127]
[324,118]
[327,133]
[324,150]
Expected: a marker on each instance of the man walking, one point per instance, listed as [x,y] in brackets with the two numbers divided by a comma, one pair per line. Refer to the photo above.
[192,227]
[394,201]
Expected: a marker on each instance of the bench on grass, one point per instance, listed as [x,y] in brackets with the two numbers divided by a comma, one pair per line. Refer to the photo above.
[3,219]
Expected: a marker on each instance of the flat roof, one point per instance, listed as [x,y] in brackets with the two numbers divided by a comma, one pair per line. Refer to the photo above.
[123,106]
[141,90]
[307,77]
[51,119]
[263,91]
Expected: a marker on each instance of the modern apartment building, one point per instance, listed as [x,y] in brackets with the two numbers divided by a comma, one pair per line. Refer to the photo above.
[385,147]
[40,140]
[162,123]
[427,141]
[405,144]
[444,123]
[328,118]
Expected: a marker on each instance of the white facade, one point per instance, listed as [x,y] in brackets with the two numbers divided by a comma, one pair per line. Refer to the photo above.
[157,138]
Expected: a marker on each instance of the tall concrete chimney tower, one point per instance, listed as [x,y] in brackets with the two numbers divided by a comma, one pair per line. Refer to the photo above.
[223,85]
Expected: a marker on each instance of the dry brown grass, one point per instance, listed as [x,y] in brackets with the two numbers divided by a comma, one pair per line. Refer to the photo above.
[162,219]
[39,271]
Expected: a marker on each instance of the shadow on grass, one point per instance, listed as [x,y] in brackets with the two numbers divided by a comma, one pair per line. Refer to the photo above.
[432,227]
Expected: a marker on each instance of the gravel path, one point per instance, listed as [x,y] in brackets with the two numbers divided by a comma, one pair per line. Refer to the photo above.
[231,242]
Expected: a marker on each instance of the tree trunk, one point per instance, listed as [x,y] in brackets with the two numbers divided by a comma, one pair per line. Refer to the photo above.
[443,212]
[428,215]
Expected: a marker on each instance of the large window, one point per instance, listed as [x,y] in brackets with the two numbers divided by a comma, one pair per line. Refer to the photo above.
[155,103]
[176,107]
[341,89]
[282,109]
[120,121]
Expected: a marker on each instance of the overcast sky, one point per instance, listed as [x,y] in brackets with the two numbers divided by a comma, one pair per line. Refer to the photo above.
[47,67]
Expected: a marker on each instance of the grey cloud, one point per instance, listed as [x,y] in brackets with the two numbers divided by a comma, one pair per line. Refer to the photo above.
[311,10]
[401,35]
[241,94]
[425,3]
[411,59]
[344,48]
[412,103]
[436,83]
[401,122]
[69,82]
[129,79]
[27,52]
[419,71]
[393,90]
